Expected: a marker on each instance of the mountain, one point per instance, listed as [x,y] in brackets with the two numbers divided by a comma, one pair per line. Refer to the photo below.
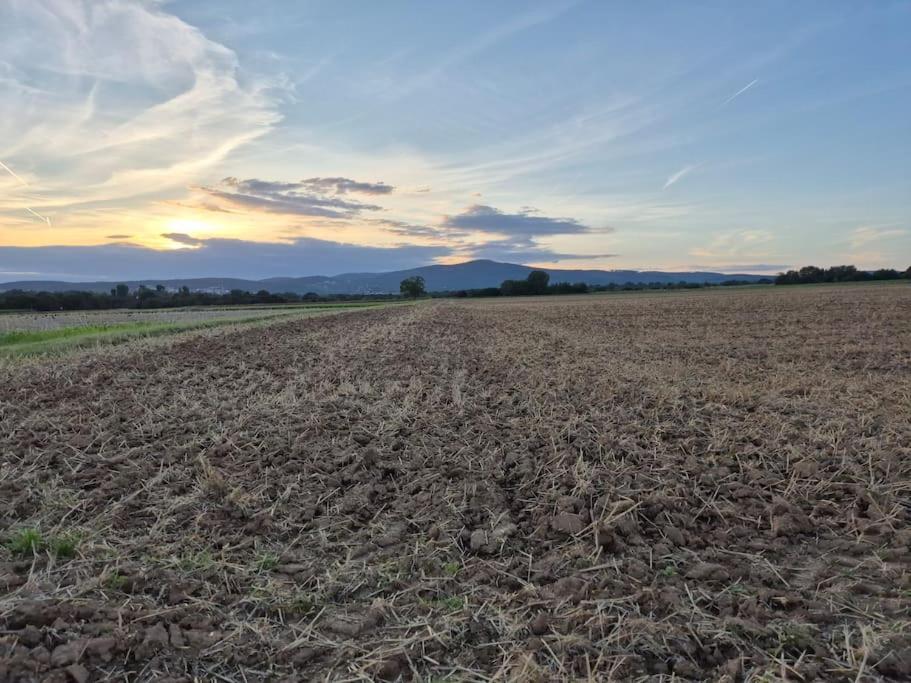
[438,278]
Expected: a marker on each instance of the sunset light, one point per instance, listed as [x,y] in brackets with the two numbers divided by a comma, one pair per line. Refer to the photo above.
[509,341]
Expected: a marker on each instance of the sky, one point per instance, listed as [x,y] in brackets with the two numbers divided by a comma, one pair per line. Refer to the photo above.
[143,138]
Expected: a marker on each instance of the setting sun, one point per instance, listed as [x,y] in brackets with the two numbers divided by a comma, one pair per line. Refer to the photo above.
[190,226]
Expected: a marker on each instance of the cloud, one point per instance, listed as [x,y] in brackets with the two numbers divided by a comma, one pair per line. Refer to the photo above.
[406,229]
[256,186]
[284,198]
[345,185]
[675,177]
[202,206]
[132,101]
[872,233]
[118,237]
[484,39]
[488,219]
[212,258]
[183,238]
[736,246]
[522,250]
[744,267]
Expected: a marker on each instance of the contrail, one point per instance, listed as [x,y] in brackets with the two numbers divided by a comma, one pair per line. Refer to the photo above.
[39,216]
[25,184]
[10,171]
[740,92]
[678,175]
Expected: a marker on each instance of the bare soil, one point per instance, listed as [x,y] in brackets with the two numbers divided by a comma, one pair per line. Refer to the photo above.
[704,486]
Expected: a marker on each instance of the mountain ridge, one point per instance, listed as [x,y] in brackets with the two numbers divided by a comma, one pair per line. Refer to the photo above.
[475,274]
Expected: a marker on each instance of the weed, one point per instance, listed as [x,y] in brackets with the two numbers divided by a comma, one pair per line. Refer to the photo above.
[454,603]
[26,542]
[266,562]
[63,547]
[114,581]
[738,589]
[302,603]
[198,561]
[449,603]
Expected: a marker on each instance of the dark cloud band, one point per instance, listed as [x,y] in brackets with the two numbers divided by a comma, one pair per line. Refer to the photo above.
[212,258]
[525,222]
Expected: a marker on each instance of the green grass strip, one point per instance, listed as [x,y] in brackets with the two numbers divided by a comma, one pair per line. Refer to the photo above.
[28,343]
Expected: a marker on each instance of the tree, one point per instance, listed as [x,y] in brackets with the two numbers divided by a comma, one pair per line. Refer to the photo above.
[144,294]
[514,288]
[122,291]
[537,282]
[412,287]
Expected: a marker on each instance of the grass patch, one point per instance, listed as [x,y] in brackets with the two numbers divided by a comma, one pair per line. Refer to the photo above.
[25,542]
[30,542]
[43,336]
[63,547]
[448,603]
[28,343]
[266,562]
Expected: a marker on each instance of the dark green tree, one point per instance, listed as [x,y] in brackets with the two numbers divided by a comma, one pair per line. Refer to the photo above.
[122,291]
[412,287]
[537,282]
[514,288]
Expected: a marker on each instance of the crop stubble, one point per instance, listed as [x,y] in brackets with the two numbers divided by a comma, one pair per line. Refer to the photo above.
[699,485]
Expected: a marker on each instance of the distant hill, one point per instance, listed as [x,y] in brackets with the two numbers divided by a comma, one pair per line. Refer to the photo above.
[469,275]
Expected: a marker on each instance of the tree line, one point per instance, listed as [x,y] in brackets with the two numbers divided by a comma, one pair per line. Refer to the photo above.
[538,283]
[122,296]
[813,274]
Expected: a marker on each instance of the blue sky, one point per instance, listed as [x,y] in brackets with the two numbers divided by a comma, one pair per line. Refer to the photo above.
[319,137]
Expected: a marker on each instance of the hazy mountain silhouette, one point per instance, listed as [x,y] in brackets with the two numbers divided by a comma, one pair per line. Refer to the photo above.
[438,278]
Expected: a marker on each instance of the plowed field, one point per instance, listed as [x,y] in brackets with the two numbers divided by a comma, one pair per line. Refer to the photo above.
[709,485]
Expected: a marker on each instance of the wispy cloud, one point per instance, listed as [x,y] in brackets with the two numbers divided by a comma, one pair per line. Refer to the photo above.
[484,41]
[316,199]
[743,267]
[872,233]
[735,247]
[82,128]
[679,175]
[411,230]
[740,92]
